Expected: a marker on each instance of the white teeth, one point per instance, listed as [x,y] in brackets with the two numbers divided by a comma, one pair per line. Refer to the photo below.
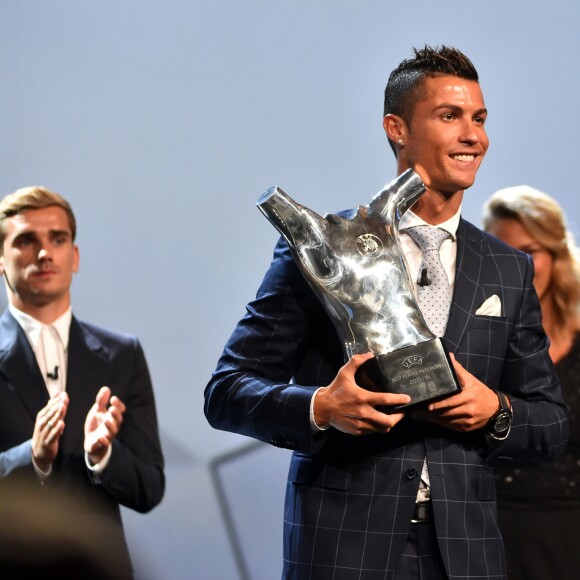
[464,157]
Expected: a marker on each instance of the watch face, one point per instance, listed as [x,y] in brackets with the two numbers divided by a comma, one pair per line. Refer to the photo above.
[502,422]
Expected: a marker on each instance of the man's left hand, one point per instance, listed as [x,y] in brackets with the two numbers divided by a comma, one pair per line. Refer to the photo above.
[102,424]
[468,410]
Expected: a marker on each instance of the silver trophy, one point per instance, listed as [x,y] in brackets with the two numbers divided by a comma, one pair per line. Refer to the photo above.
[357,269]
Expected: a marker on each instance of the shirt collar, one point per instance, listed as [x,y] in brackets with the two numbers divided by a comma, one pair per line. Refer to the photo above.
[32,327]
[411,219]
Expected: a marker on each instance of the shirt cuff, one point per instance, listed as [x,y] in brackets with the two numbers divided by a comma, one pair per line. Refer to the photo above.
[313,425]
[98,468]
[42,475]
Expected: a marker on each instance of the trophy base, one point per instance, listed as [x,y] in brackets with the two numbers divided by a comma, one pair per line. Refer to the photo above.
[423,371]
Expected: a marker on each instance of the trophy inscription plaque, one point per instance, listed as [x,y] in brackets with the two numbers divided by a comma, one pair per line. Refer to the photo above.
[356,267]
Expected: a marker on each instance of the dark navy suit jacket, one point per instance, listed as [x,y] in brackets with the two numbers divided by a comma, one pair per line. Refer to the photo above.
[350,499]
[134,475]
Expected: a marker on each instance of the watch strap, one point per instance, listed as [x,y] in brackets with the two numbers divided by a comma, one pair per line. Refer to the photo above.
[504,412]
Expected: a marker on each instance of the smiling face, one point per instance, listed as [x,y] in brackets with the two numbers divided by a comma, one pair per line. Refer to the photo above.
[39,259]
[445,139]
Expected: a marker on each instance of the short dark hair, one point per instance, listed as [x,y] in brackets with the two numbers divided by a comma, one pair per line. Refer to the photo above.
[406,82]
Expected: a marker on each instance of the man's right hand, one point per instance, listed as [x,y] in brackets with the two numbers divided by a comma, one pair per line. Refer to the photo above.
[351,409]
[48,428]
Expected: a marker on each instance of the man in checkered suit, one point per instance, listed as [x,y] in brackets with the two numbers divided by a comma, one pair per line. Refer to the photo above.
[401,496]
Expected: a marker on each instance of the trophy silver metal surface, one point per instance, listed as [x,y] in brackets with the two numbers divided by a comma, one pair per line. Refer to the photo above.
[357,269]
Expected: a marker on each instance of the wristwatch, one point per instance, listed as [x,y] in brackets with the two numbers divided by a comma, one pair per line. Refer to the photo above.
[498,427]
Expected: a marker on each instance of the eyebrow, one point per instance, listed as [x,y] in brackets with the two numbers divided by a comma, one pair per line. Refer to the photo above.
[59,233]
[456,108]
[51,233]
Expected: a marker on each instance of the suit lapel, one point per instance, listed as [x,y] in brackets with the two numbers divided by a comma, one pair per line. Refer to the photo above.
[19,367]
[86,360]
[467,294]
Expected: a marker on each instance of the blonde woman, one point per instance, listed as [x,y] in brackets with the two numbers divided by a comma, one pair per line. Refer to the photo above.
[539,505]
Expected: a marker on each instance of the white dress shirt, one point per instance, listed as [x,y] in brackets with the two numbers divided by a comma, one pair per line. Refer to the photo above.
[49,343]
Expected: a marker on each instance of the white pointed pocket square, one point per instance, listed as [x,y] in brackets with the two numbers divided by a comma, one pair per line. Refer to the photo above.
[491,307]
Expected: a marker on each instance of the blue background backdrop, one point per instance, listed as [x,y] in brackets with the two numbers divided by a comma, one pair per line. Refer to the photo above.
[163,121]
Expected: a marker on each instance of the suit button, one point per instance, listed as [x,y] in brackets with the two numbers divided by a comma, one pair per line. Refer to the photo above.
[412,473]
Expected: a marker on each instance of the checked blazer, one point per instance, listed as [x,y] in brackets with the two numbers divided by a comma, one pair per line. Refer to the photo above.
[349,500]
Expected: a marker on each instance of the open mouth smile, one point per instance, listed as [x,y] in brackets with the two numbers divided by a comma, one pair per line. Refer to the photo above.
[463,157]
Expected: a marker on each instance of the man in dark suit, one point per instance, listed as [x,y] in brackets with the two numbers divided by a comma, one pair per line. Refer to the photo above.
[78,423]
[402,495]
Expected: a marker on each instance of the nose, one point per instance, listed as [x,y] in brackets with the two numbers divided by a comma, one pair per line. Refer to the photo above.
[470,133]
[44,253]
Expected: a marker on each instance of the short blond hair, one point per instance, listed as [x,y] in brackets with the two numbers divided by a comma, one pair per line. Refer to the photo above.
[544,220]
[35,197]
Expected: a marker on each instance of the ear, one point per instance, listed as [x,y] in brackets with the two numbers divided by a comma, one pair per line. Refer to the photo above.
[1,264]
[395,127]
[76,259]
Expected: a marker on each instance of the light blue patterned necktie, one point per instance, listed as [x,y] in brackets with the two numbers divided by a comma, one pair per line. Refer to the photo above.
[432,282]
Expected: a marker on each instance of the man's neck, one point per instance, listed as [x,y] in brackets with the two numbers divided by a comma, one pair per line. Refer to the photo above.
[436,208]
[46,313]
